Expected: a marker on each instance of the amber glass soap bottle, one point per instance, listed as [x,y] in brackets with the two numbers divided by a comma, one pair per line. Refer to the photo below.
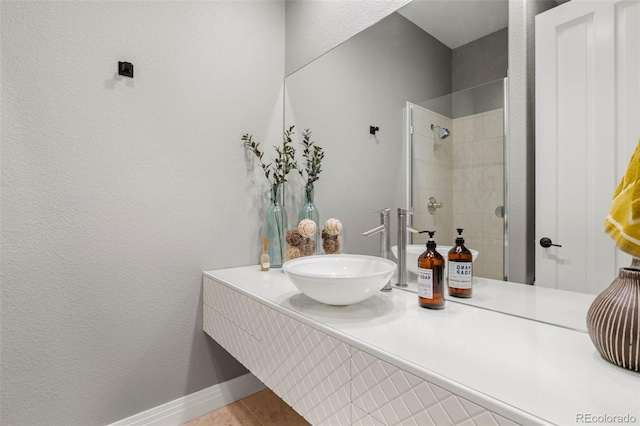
[430,276]
[460,269]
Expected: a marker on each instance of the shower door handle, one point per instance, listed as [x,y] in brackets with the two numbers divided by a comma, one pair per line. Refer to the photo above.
[546,242]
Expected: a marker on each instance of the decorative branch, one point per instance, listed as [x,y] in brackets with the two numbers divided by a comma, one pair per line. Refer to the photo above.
[276,171]
[313,155]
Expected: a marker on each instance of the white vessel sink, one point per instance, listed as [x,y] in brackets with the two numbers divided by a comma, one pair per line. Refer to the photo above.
[415,250]
[339,279]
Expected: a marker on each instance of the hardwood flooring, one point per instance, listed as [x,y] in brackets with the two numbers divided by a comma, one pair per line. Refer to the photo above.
[263,408]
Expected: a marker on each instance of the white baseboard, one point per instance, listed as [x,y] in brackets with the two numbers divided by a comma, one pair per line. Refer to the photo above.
[194,405]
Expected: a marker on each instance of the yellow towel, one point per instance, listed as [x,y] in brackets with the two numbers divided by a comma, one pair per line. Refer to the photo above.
[623,222]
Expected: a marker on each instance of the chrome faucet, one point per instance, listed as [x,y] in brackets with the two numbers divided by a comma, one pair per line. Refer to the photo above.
[402,246]
[385,240]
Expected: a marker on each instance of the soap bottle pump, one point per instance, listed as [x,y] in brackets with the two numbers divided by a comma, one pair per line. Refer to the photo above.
[431,276]
[460,269]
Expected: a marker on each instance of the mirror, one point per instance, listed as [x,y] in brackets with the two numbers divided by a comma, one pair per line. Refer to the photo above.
[369,80]
[386,76]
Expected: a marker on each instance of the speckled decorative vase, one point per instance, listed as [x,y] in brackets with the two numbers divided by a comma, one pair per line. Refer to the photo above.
[613,320]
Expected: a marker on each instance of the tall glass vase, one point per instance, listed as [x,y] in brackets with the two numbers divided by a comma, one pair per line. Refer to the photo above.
[276,227]
[308,210]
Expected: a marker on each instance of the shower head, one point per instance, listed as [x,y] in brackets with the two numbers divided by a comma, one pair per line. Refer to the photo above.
[442,132]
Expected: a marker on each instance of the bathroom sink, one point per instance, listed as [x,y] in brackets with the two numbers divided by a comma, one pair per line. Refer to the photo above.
[415,250]
[339,279]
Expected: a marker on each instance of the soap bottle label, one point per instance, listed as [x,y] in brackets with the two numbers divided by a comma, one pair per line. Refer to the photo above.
[460,274]
[425,283]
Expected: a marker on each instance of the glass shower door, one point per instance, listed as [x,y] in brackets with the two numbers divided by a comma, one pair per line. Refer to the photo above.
[463,171]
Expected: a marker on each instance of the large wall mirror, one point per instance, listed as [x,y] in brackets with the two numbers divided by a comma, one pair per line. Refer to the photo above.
[443,109]
[430,77]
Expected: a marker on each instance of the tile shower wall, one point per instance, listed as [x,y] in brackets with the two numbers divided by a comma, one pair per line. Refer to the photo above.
[465,173]
[432,164]
[478,188]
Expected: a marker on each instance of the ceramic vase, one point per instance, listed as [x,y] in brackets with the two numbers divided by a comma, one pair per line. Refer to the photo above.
[308,210]
[613,320]
[276,227]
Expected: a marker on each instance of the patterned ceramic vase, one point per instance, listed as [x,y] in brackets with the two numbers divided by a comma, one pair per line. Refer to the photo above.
[613,320]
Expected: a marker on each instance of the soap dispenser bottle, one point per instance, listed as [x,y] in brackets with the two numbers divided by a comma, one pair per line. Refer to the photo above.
[460,282]
[430,276]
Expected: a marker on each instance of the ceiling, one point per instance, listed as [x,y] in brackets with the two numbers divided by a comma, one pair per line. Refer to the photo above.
[458,22]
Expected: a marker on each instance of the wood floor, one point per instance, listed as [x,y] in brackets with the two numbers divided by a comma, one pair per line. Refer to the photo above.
[260,409]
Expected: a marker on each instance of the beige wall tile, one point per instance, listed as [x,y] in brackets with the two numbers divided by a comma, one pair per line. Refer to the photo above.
[490,200]
[473,179]
[492,226]
[492,177]
[473,230]
[473,128]
[476,148]
[493,124]
[492,150]
[493,270]
[473,201]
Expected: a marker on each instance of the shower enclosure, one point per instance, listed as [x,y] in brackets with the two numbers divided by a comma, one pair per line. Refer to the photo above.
[456,174]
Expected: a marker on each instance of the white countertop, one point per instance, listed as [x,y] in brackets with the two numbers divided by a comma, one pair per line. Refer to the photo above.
[537,371]
[559,307]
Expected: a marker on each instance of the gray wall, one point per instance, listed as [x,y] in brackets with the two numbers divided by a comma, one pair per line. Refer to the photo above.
[315,27]
[118,193]
[361,83]
[480,61]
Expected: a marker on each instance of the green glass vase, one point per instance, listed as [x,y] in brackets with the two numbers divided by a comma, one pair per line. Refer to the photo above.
[276,227]
[308,210]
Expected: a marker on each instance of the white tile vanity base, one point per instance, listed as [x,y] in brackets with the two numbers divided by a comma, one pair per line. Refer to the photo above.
[308,369]
[382,393]
[386,361]
[326,380]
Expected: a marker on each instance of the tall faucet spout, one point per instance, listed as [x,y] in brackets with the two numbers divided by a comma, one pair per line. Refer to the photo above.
[385,241]
[375,230]
[402,246]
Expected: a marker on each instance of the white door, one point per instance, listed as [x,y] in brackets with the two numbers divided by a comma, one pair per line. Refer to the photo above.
[587,126]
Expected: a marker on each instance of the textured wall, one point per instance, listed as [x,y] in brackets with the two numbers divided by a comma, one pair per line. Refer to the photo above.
[117,193]
[480,61]
[316,26]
